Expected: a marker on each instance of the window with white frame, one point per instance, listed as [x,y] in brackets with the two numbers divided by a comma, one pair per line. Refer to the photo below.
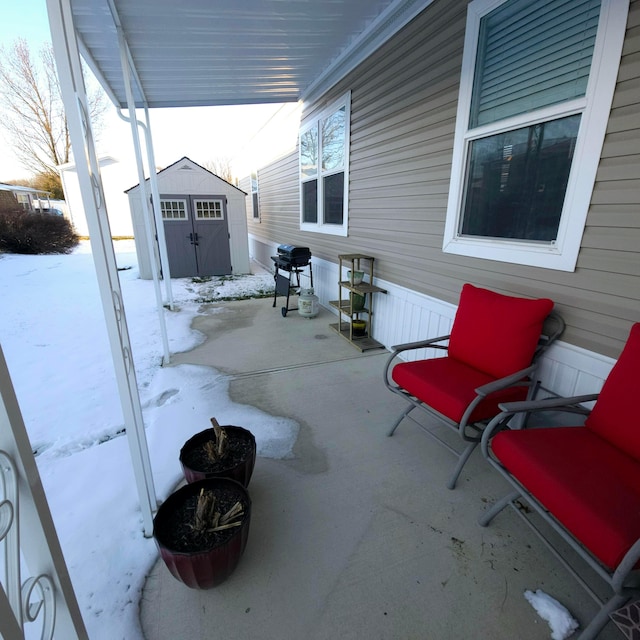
[536,88]
[173,209]
[209,209]
[254,195]
[324,170]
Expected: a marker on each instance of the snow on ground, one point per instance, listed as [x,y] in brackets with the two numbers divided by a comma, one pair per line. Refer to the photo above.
[557,615]
[53,335]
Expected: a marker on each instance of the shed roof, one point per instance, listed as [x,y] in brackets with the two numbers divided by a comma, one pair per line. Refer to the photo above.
[20,189]
[171,166]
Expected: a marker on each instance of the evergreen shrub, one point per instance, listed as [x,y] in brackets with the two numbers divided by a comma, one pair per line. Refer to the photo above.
[34,233]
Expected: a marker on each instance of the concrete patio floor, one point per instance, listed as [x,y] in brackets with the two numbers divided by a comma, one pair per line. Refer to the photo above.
[356,536]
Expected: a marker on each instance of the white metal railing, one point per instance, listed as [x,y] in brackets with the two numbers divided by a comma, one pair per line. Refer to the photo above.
[27,533]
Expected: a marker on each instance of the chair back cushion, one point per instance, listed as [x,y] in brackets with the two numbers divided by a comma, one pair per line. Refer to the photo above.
[495,333]
[615,414]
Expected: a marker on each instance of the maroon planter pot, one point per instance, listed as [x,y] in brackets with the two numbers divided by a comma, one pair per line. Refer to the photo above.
[240,471]
[210,567]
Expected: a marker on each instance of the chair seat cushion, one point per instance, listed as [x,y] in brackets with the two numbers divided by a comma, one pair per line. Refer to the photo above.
[448,386]
[590,486]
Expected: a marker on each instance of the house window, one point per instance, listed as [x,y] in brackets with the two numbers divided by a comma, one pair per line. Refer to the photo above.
[23,201]
[254,195]
[324,170]
[535,95]
[209,209]
[173,209]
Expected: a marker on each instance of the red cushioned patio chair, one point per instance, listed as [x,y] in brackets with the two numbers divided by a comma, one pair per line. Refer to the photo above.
[489,357]
[584,480]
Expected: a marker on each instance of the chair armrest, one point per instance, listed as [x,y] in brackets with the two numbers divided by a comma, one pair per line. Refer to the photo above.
[570,404]
[549,403]
[420,344]
[503,383]
[399,348]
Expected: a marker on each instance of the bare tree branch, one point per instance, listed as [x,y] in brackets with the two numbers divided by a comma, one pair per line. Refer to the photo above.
[222,167]
[34,117]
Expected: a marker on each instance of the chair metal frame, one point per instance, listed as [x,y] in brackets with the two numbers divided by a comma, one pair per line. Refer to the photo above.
[469,432]
[624,581]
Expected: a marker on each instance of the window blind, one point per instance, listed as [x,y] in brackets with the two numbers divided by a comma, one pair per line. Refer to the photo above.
[531,55]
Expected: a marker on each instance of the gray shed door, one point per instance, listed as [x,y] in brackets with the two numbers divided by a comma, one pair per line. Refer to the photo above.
[197,235]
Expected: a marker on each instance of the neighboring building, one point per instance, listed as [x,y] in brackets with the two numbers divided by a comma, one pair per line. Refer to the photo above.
[116,177]
[525,180]
[205,224]
[26,197]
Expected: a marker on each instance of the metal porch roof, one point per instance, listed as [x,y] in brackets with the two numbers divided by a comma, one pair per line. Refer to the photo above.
[210,52]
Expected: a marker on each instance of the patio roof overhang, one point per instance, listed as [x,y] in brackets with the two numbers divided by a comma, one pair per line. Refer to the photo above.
[207,53]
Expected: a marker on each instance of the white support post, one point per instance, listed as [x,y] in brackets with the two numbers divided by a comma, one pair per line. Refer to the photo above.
[157,213]
[69,67]
[26,527]
[161,242]
[144,199]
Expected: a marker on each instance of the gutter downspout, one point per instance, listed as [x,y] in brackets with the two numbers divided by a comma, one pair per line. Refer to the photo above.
[124,59]
[155,204]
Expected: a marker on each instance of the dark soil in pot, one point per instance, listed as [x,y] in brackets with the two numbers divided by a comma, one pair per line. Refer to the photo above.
[237,462]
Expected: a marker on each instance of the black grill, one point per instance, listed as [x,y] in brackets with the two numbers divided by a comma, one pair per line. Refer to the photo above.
[293,261]
[292,256]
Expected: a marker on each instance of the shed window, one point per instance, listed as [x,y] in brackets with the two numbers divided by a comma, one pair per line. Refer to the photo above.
[209,209]
[535,95]
[324,170]
[173,209]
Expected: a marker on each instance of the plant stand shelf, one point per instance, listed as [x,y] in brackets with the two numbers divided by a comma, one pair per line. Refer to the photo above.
[355,301]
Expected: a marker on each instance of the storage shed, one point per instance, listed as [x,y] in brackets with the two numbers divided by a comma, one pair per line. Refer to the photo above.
[205,223]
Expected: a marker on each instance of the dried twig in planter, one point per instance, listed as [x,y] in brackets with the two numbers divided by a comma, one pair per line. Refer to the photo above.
[205,511]
[209,520]
[235,512]
[221,439]
[211,450]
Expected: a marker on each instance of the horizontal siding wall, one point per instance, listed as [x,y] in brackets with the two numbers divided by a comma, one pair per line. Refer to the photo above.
[278,201]
[404,101]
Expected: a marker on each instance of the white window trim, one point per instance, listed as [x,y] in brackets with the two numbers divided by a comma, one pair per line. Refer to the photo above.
[195,208]
[595,107]
[255,206]
[321,227]
[186,209]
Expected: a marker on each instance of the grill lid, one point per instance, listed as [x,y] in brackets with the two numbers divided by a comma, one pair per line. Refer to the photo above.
[290,251]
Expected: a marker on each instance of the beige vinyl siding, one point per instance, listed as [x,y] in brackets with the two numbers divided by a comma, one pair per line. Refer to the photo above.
[403,107]
[279,202]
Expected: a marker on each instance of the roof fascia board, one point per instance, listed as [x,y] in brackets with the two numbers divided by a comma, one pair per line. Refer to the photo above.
[382,29]
[164,104]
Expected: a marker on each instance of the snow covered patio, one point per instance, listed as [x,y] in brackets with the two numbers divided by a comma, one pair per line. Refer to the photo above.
[355,535]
